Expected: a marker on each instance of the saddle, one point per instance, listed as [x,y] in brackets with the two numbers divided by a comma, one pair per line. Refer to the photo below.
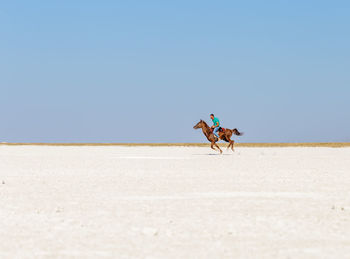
[221,129]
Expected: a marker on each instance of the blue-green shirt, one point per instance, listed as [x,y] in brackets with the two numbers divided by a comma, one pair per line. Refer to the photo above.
[216,121]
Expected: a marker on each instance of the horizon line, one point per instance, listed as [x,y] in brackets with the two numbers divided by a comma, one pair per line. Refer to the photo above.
[257,144]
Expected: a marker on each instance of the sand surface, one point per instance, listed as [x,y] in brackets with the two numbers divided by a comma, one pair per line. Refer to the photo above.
[174,202]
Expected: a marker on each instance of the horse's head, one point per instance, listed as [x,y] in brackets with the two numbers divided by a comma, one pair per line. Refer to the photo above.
[199,125]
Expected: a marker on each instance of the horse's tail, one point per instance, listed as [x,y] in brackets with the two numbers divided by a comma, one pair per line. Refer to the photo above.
[236,132]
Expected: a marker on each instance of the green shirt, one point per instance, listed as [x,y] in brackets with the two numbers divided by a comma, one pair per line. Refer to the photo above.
[216,121]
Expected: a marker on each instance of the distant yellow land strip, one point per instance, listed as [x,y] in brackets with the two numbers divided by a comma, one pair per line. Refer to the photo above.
[331,144]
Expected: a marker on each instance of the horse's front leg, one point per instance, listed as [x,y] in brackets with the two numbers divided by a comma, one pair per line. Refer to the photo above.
[218,147]
[212,146]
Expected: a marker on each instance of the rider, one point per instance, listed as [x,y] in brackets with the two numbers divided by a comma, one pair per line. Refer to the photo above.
[216,124]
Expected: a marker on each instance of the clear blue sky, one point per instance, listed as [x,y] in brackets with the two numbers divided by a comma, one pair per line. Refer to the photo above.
[147,71]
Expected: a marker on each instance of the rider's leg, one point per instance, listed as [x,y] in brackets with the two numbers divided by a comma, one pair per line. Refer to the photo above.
[215,132]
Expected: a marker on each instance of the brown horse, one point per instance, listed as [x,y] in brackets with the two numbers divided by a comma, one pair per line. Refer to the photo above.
[224,134]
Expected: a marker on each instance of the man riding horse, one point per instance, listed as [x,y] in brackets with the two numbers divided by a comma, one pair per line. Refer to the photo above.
[216,125]
[224,134]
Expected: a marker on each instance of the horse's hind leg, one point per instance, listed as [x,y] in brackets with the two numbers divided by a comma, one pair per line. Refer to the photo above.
[231,143]
[228,139]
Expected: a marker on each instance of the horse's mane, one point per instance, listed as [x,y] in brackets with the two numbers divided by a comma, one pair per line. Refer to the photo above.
[205,123]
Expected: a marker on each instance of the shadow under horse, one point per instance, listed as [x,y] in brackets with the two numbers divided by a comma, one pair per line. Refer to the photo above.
[224,134]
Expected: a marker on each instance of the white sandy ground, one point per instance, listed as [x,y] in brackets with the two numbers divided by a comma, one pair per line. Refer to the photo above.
[174,202]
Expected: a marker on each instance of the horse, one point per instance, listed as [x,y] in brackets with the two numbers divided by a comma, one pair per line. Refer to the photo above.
[224,134]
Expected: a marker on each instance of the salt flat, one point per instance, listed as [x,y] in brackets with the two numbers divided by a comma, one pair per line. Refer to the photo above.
[174,202]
